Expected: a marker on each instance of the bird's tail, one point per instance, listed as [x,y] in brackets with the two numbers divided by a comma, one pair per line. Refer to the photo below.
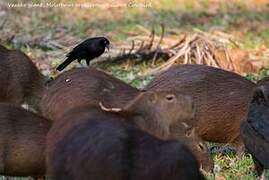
[64,64]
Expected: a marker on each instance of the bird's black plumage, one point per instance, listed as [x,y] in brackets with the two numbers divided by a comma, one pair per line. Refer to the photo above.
[255,130]
[88,50]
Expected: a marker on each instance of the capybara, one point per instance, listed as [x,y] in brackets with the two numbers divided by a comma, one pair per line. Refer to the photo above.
[84,86]
[21,81]
[163,114]
[255,130]
[88,143]
[22,142]
[158,114]
[221,98]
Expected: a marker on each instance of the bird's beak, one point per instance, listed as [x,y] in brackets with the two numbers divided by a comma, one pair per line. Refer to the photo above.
[108,47]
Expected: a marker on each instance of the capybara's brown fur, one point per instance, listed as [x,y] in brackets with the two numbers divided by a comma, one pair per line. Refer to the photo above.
[221,98]
[88,86]
[87,143]
[158,113]
[84,86]
[22,142]
[21,81]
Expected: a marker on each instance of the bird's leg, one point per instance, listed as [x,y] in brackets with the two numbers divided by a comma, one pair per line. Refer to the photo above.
[88,62]
[79,61]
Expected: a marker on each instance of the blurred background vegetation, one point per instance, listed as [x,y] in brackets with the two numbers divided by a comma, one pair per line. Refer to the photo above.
[46,34]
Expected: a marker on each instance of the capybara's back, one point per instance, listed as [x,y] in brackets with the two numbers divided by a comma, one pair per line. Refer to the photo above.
[21,81]
[221,98]
[84,86]
[92,144]
[83,145]
[22,142]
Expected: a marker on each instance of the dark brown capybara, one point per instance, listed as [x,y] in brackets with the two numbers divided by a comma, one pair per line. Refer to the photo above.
[157,113]
[255,130]
[22,142]
[84,86]
[221,98]
[88,143]
[163,114]
[21,81]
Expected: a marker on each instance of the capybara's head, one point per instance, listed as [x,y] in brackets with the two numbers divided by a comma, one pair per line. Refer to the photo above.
[157,112]
[198,148]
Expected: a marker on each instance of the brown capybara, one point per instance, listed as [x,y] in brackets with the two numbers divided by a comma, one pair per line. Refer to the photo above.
[255,130]
[221,98]
[157,113]
[84,86]
[88,143]
[163,114]
[22,142]
[21,81]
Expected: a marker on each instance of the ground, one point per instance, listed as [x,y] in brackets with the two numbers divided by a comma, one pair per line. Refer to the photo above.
[47,34]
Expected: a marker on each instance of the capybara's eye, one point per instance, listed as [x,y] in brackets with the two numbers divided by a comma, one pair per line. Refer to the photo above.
[170,97]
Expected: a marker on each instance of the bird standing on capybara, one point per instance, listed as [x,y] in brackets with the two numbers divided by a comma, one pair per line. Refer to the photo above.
[22,142]
[88,143]
[221,98]
[21,81]
[157,113]
[255,130]
[84,86]
[88,50]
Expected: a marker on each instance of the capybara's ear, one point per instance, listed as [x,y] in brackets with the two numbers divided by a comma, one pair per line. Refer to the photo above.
[192,107]
[134,105]
[190,132]
[152,97]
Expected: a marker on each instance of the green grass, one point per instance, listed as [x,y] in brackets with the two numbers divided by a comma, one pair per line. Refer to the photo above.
[233,167]
[130,75]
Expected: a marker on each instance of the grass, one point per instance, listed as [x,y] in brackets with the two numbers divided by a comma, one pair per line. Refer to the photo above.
[246,20]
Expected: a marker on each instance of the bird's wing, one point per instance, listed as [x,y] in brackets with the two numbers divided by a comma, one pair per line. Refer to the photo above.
[77,51]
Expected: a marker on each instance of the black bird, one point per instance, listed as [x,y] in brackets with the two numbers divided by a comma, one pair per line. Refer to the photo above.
[255,130]
[88,50]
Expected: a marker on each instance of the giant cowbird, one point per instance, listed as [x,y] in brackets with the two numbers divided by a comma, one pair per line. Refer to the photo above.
[255,130]
[88,50]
